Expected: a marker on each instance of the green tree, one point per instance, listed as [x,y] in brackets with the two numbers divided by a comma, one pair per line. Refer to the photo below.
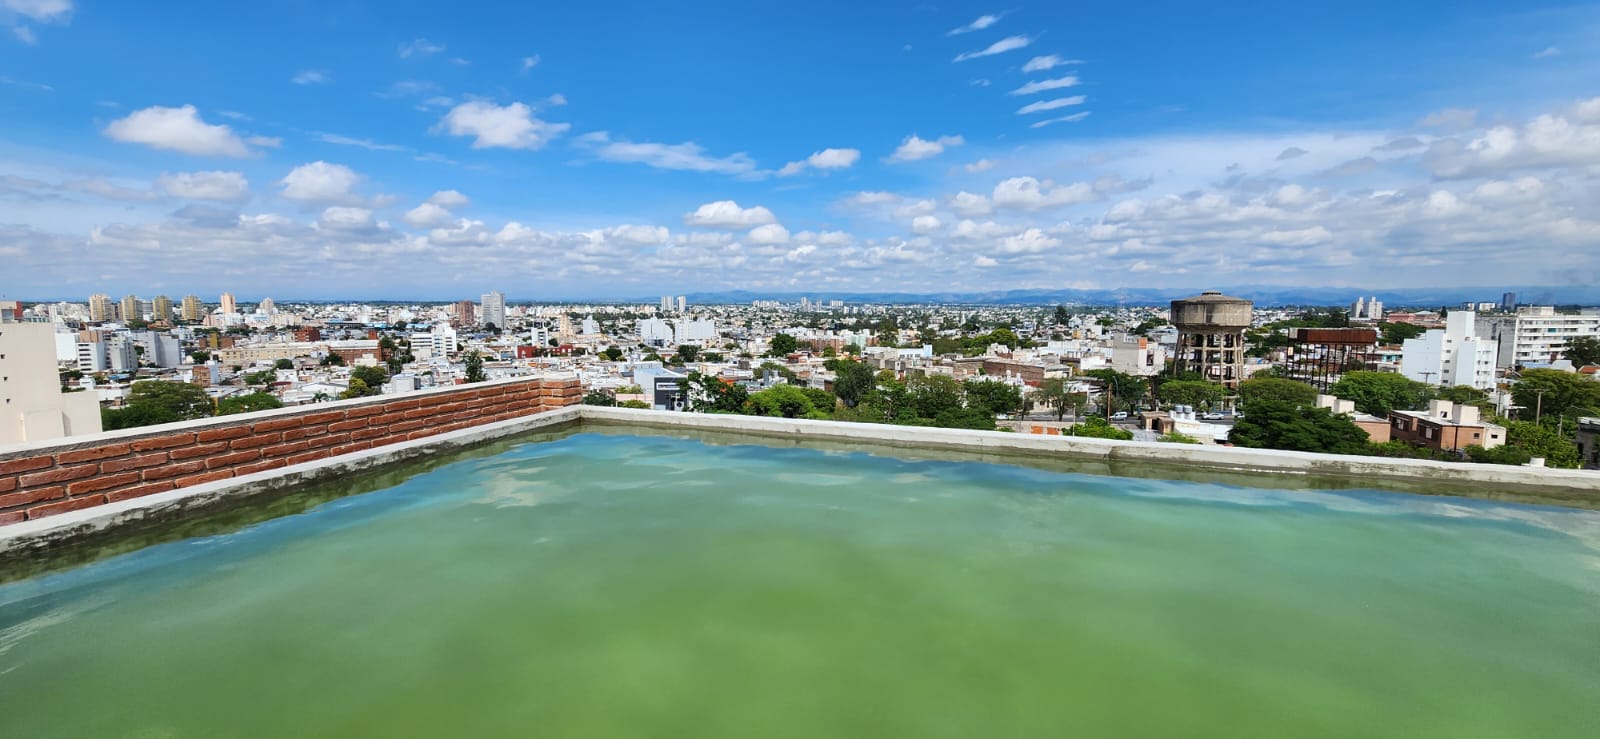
[1174,437]
[612,353]
[711,394]
[257,401]
[935,394]
[156,401]
[284,364]
[1062,317]
[1538,440]
[1056,392]
[473,364]
[357,388]
[787,374]
[1277,388]
[1583,350]
[1098,428]
[635,404]
[1378,393]
[993,397]
[852,380]
[1276,424]
[1397,333]
[1123,390]
[373,376]
[264,377]
[783,401]
[599,397]
[1197,393]
[1462,394]
[199,357]
[687,353]
[782,345]
[333,360]
[1549,394]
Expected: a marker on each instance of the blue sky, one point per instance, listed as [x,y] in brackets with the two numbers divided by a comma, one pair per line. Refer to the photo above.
[432,150]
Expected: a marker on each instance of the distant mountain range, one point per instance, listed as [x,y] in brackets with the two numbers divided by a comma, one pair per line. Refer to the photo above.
[1267,296]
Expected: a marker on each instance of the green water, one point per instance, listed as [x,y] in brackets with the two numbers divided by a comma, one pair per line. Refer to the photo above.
[602,586]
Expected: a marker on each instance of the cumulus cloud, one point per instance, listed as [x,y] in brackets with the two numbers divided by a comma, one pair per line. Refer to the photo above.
[982,165]
[341,218]
[1038,86]
[1293,152]
[1046,63]
[427,215]
[825,159]
[320,182]
[1028,193]
[177,129]
[914,147]
[1044,105]
[877,197]
[925,224]
[1009,43]
[511,126]
[449,199]
[687,156]
[103,188]
[970,204]
[311,77]
[39,11]
[1451,118]
[771,233]
[728,214]
[1566,140]
[228,187]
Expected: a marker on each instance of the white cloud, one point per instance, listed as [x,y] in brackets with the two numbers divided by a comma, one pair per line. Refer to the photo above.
[1292,152]
[982,165]
[970,204]
[311,77]
[24,34]
[687,156]
[1298,237]
[220,186]
[1566,140]
[982,22]
[529,62]
[914,147]
[427,215]
[1009,43]
[41,11]
[320,182]
[1028,193]
[877,197]
[825,159]
[177,129]
[1547,52]
[1074,118]
[1046,63]
[925,224]
[984,262]
[1058,83]
[1030,241]
[269,142]
[510,127]
[768,235]
[102,188]
[728,214]
[449,199]
[341,218]
[556,99]
[1044,105]
[419,47]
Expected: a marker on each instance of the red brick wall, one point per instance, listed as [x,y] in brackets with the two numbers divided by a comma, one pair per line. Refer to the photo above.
[70,475]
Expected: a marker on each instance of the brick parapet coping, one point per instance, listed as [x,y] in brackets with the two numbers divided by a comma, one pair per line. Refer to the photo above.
[47,478]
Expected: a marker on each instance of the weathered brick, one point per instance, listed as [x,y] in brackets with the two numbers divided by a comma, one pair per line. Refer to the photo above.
[363,411]
[223,434]
[140,491]
[133,463]
[292,434]
[70,504]
[369,433]
[386,419]
[327,440]
[172,470]
[355,446]
[91,454]
[406,426]
[228,460]
[251,442]
[277,424]
[163,442]
[60,474]
[310,456]
[198,450]
[402,405]
[33,496]
[102,482]
[317,419]
[202,478]
[342,426]
[310,431]
[278,450]
[13,517]
[423,433]
[423,413]
[25,464]
[8,484]
[265,464]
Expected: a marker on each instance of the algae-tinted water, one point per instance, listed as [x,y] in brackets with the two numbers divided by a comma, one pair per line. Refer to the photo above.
[603,586]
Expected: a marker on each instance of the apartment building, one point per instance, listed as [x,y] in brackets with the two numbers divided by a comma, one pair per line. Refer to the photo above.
[1453,355]
[1445,426]
[1537,334]
[32,406]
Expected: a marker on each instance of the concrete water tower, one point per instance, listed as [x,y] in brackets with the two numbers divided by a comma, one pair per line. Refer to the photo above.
[1211,336]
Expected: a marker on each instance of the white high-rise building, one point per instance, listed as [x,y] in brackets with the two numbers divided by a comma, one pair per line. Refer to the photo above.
[1367,309]
[442,340]
[1451,356]
[666,303]
[32,406]
[1538,334]
[683,303]
[494,309]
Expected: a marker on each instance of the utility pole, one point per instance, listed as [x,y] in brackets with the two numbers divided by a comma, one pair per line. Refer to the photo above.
[1427,377]
[1538,406]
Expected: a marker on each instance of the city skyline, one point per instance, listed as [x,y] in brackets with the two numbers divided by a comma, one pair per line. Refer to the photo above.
[830,151]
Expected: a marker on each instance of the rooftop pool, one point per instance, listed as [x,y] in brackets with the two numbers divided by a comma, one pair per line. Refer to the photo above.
[610,584]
